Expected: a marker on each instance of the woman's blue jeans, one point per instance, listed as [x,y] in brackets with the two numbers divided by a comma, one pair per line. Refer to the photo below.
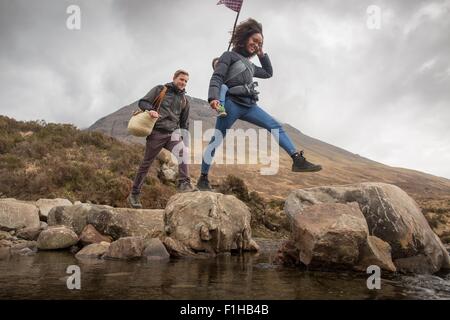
[254,115]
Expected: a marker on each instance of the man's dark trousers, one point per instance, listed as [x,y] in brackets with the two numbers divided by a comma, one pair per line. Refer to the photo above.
[156,141]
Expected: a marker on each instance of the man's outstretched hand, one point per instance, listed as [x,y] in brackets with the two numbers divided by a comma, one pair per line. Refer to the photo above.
[154,114]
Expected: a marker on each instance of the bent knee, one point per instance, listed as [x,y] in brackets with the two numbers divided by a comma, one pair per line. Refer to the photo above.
[275,125]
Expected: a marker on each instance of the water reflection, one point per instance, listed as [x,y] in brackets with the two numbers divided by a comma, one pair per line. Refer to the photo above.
[248,276]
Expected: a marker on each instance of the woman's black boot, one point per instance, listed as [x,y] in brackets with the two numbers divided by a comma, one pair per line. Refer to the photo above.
[203,183]
[302,165]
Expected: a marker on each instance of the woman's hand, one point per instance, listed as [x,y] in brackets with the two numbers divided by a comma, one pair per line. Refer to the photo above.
[215,104]
[260,52]
[154,114]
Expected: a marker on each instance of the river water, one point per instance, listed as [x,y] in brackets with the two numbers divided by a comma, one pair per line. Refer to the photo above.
[248,276]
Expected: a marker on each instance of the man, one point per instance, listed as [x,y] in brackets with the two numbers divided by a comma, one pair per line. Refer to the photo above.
[172,114]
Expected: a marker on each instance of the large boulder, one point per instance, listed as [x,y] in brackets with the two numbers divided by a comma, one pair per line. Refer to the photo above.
[391,216]
[334,236]
[124,222]
[57,237]
[109,221]
[73,216]
[207,222]
[330,234]
[15,214]
[126,248]
[45,205]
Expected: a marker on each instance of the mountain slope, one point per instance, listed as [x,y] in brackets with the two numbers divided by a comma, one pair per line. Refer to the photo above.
[340,166]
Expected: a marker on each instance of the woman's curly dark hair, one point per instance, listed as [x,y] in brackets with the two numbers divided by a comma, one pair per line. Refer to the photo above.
[245,30]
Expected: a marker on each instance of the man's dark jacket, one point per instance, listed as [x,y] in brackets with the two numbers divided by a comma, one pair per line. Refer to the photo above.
[174,110]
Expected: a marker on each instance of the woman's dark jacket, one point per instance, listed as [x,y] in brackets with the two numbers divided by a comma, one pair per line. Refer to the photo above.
[220,75]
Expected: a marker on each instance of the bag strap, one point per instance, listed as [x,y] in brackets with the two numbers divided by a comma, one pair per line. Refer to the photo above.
[160,98]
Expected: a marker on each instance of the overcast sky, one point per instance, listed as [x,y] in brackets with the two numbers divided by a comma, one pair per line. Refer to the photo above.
[382,93]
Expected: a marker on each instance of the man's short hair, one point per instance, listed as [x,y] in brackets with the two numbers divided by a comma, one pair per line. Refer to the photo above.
[178,72]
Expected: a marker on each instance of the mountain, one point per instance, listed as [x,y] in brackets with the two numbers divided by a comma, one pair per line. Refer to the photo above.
[340,166]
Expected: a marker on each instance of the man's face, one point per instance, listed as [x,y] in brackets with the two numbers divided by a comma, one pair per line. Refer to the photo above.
[181,81]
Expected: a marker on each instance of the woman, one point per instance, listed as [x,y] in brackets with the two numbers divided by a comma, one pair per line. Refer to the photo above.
[236,71]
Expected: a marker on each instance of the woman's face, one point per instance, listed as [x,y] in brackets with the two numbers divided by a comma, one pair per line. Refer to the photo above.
[254,43]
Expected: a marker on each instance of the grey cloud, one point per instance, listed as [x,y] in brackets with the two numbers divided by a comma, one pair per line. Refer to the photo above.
[371,92]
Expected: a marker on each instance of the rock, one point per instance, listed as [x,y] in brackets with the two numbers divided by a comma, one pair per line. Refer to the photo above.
[288,254]
[167,174]
[207,222]
[74,249]
[90,235]
[93,251]
[167,170]
[45,205]
[124,222]
[5,235]
[114,222]
[330,235]
[177,249]
[166,157]
[376,252]
[5,243]
[155,250]
[29,233]
[126,248]
[22,244]
[16,215]
[391,216]
[23,252]
[74,216]
[57,237]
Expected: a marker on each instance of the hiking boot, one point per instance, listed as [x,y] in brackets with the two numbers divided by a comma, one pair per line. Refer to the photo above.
[302,165]
[203,184]
[186,186]
[134,202]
